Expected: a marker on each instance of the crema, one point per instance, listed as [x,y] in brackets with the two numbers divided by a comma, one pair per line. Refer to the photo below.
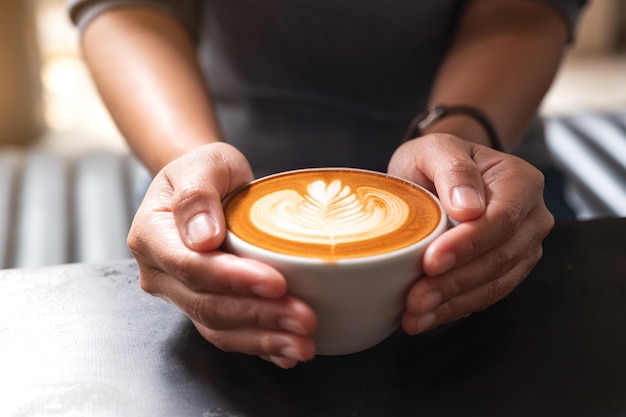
[331,213]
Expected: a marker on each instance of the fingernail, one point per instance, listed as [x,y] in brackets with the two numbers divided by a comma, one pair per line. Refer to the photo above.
[465,197]
[200,228]
[290,352]
[425,322]
[430,301]
[265,291]
[281,362]
[292,326]
[444,263]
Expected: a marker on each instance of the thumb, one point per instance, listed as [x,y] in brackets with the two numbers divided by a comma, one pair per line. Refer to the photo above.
[199,183]
[200,222]
[447,162]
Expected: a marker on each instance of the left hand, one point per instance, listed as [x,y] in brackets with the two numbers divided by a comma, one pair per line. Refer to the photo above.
[498,198]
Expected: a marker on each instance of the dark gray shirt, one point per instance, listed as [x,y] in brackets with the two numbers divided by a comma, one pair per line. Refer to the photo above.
[300,83]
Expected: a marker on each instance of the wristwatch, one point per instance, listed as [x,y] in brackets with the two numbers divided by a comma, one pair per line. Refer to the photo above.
[433,114]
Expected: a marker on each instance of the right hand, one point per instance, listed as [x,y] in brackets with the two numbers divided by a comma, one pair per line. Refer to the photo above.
[237,304]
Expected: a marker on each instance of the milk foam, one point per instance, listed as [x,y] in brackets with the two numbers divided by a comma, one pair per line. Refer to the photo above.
[329,213]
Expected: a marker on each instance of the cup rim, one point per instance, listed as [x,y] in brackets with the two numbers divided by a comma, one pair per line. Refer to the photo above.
[425,241]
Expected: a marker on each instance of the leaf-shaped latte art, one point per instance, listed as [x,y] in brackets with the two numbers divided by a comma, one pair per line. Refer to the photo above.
[329,213]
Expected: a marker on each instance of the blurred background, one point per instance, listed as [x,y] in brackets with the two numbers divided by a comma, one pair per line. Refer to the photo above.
[592,77]
[58,143]
[74,117]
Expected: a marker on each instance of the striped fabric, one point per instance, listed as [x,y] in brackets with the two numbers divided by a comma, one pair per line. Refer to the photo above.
[591,149]
[56,209]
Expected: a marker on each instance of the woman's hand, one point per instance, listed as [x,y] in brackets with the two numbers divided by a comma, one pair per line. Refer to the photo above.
[498,198]
[237,304]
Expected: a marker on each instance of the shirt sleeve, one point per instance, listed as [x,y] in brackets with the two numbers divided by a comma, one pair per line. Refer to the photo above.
[82,12]
[570,10]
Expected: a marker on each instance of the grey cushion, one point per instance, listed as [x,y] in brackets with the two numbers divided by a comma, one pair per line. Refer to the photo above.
[590,147]
[58,209]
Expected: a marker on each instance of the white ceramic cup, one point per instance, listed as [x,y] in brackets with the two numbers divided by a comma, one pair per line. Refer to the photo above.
[358,300]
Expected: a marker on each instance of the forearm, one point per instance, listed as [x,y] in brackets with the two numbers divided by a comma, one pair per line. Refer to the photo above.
[144,65]
[502,61]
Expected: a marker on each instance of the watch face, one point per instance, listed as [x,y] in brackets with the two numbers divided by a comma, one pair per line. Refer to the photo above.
[432,114]
[424,119]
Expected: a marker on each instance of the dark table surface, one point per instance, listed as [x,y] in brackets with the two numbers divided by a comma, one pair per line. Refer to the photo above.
[84,340]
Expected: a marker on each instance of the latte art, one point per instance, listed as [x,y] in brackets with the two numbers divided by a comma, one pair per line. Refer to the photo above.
[329,213]
[348,242]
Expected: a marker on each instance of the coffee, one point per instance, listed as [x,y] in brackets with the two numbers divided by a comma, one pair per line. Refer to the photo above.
[331,213]
[348,242]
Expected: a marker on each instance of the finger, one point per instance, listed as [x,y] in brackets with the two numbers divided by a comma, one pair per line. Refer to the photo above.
[476,286]
[199,182]
[285,350]
[282,362]
[467,303]
[431,291]
[214,272]
[446,162]
[467,241]
[197,210]
[515,201]
[223,312]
